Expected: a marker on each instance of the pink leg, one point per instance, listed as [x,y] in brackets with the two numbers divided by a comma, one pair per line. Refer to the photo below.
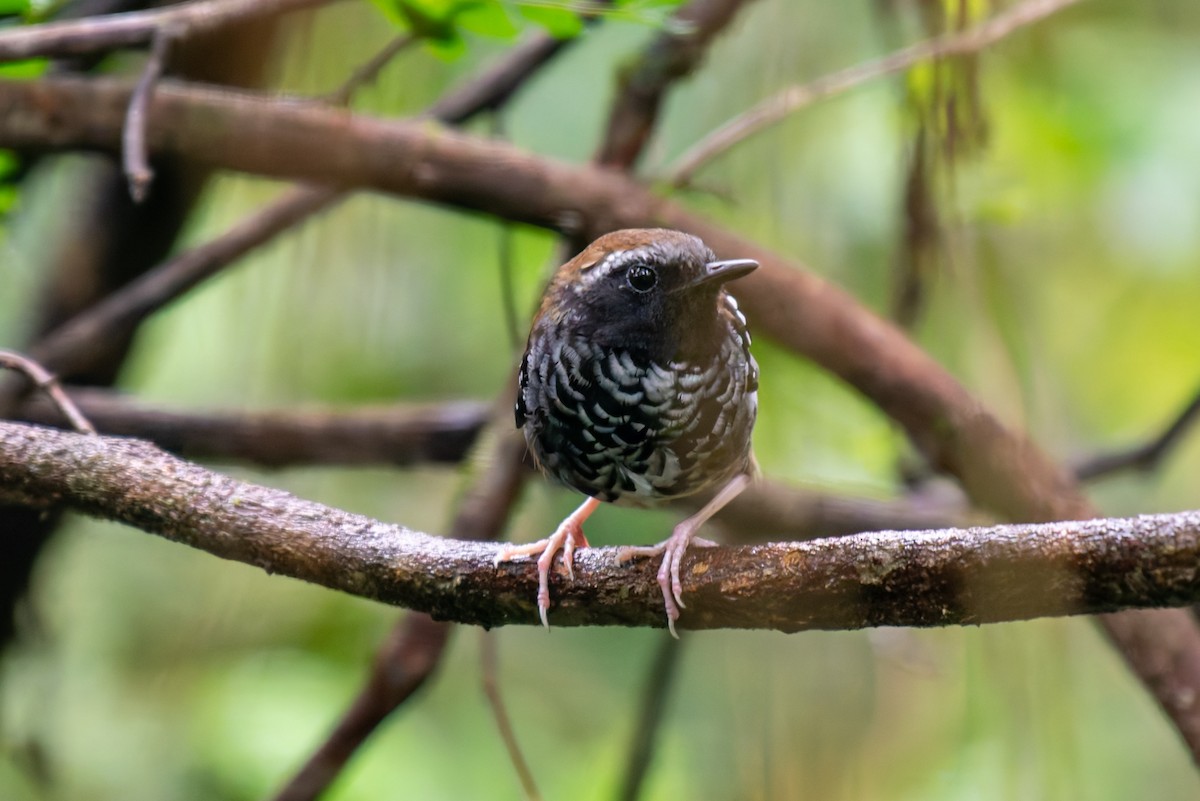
[566,538]
[674,547]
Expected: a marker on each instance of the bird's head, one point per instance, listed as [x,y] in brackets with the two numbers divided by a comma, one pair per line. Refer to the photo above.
[649,287]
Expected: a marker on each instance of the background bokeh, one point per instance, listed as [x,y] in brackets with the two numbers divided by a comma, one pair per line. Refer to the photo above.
[1066,298]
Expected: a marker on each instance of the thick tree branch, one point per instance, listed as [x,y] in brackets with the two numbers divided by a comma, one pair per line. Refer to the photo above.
[930,578]
[80,37]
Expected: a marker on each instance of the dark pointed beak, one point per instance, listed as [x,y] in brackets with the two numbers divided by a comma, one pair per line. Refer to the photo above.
[718,272]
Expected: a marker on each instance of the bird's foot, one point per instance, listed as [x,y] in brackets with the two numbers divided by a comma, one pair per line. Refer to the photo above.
[566,538]
[672,550]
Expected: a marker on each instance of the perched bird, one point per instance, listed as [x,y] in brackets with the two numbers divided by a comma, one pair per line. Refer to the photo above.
[637,386]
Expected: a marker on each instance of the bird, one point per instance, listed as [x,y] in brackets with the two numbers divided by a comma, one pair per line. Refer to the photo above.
[637,386]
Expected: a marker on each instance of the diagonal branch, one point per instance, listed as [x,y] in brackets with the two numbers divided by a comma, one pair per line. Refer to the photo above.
[491,690]
[929,578]
[492,88]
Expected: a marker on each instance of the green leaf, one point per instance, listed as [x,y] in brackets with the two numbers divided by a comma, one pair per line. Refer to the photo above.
[28,68]
[450,47]
[425,19]
[561,23]
[390,10]
[486,18]
[10,195]
[10,192]
[433,9]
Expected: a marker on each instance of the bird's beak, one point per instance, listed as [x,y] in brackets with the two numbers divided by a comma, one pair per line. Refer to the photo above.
[718,272]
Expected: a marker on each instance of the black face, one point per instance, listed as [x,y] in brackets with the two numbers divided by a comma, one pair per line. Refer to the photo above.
[658,296]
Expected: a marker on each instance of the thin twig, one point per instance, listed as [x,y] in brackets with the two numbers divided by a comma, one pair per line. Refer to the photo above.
[776,108]
[136,164]
[491,690]
[47,382]
[651,711]
[368,72]
[96,34]
[1146,456]
[482,515]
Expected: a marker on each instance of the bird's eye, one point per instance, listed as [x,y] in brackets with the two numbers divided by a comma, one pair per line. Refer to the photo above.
[641,278]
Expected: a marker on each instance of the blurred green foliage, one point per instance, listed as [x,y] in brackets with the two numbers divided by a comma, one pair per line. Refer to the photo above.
[1067,301]
[442,24]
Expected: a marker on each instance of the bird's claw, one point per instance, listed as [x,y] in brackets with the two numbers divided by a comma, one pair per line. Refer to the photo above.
[566,538]
[671,550]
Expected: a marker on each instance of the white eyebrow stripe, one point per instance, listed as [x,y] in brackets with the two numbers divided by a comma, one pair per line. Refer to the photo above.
[617,259]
